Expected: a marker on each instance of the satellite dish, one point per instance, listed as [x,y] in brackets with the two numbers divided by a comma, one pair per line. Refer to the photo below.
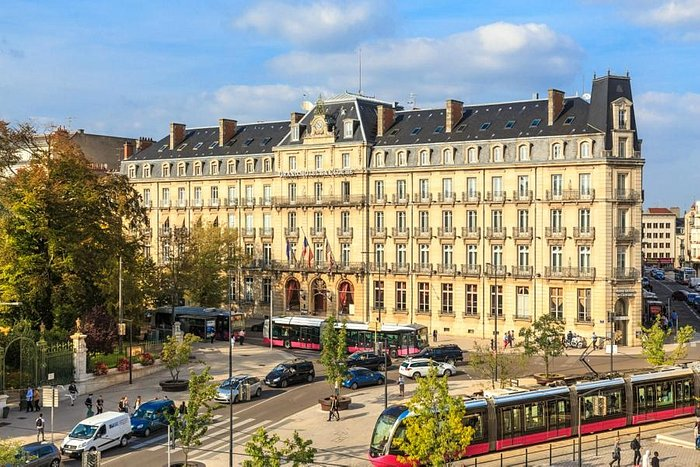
[307,105]
[586,97]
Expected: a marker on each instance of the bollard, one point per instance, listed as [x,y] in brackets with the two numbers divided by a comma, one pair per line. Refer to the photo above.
[501,459]
[573,448]
[476,462]
[596,445]
[525,457]
[550,454]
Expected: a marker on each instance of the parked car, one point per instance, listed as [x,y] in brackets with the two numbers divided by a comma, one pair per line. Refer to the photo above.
[290,372]
[151,416]
[450,353]
[680,296]
[417,367]
[369,360]
[645,281]
[359,376]
[99,433]
[42,454]
[232,388]
[659,275]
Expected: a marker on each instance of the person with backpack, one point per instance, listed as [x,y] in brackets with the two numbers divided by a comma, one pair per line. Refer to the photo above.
[72,393]
[636,446]
[40,423]
[88,404]
[616,453]
[100,404]
[655,460]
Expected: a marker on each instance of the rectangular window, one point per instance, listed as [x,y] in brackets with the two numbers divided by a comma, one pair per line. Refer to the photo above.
[147,196]
[447,221]
[400,295]
[557,185]
[471,187]
[292,192]
[447,252]
[497,220]
[165,195]
[447,302]
[423,297]
[267,195]
[248,292]
[379,190]
[556,302]
[318,162]
[344,254]
[584,184]
[424,187]
[214,192]
[231,221]
[555,220]
[522,302]
[471,221]
[523,186]
[318,192]
[497,255]
[267,254]
[401,221]
[523,220]
[292,220]
[292,162]
[345,191]
[318,221]
[266,289]
[523,256]
[496,300]
[424,256]
[584,258]
[348,127]
[318,253]
[181,196]
[622,147]
[497,187]
[378,295]
[401,189]
[555,260]
[584,305]
[198,196]
[584,220]
[401,255]
[249,198]
[424,221]
[447,188]
[471,255]
[471,303]
[345,220]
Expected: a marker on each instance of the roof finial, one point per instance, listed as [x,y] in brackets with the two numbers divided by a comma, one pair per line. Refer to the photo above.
[320,106]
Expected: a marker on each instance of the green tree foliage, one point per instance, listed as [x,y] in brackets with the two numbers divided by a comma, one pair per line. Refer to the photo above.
[14,142]
[190,428]
[435,434]
[9,451]
[544,338]
[334,351]
[484,361]
[264,450]
[653,344]
[100,330]
[177,354]
[62,230]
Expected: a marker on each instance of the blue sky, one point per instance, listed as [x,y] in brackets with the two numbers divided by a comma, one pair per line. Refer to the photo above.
[129,68]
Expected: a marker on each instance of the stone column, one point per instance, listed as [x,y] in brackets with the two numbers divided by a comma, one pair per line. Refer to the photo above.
[177,333]
[80,373]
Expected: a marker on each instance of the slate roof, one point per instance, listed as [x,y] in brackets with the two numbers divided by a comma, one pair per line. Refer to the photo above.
[249,139]
[605,90]
[104,152]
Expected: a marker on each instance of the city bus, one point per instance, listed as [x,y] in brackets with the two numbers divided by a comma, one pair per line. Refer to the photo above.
[202,322]
[683,275]
[305,333]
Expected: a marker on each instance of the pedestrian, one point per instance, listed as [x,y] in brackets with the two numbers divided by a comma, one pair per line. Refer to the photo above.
[434,335]
[72,393]
[137,403]
[126,404]
[182,409]
[594,340]
[40,423]
[696,432]
[29,398]
[333,410]
[674,319]
[241,336]
[100,404]
[646,459]
[636,446]
[88,404]
[511,338]
[401,383]
[616,453]
[120,405]
[37,398]
[505,340]
[655,460]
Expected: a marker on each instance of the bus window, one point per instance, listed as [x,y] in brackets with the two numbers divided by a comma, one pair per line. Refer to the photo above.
[664,394]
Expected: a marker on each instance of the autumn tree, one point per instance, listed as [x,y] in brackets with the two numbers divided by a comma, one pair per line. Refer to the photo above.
[9,451]
[485,362]
[435,433]
[655,337]
[265,450]
[544,338]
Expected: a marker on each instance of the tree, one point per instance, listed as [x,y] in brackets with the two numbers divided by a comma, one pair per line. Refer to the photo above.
[193,425]
[435,433]
[544,338]
[176,354]
[484,361]
[100,330]
[9,451]
[265,451]
[653,344]
[334,351]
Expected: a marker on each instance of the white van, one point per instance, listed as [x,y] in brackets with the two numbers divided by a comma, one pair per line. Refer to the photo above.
[694,282]
[98,433]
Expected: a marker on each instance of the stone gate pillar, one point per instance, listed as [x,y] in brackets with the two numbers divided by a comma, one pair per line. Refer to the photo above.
[80,373]
[177,333]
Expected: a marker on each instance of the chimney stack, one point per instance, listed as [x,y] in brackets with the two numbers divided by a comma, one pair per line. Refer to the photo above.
[128,149]
[555,104]
[143,143]
[295,118]
[385,118]
[177,134]
[453,114]
[227,128]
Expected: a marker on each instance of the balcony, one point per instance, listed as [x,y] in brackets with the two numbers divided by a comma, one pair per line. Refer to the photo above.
[400,199]
[495,197]
[231,202]
[496,270]
[447,233]
[423,268]
[265,201]
[164,203]
[447,269]
[248,233]
[344,200]
[422,311]
[447,198]
[377,233]
[284,201]
[495,233]
[523,196]
[400,233]
[522,272]
[317,232]
[555,233]
[422,198]
[626,234]
[214,202]
[291,232]
[424,233]
[195,203]
[267,233]
[471,270]
[164,231]
[378,268]
[471,197]
[570,195]
[181,203]
[625,274]
[584,234]
[471,233]
[377,200]
[623,195]
[558,272]
[344,233]
[249,202]
[522,233]
[400,268]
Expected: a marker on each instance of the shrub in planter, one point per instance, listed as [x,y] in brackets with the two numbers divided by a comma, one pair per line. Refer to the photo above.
[123,364]
[146,359]
[100,369]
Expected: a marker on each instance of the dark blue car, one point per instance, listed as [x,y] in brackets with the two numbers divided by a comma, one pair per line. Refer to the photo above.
[358,376]
[151,416]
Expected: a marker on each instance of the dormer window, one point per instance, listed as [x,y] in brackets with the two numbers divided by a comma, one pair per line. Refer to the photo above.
[214,168]
[401,159]
[622,119]
[132,171]
[523,152]
[249,166]
[448,157]
[213,145]
[415,131]
[197,146]
[182,146]
[165,169]
[585,150]
[348,128]
[248,142]
[295,133]
[267,165]
[569,120]
[379,159]
[509,124]
[424,157]
[472,156]
[146,170]
[181,169]
[162,148]
[497,154]
[535,122]
[197,169]
[230,166]
[439,129]
[557,151]
[485,126]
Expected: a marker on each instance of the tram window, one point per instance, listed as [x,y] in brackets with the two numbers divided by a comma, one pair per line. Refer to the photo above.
[534,416]
[650,395]
[687,391]
[475,422]
[511,421]
[664,394]
[594,406]
[614,402]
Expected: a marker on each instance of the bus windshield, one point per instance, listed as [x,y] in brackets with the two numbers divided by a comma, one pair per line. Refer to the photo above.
[382,431]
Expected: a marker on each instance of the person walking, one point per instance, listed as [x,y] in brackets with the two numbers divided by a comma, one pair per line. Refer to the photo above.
[72,393]
[126,404]
[594,340]
[616,453]
[636,446]
[333,410]
[505,340]
[29,399]
[137,403]
[88,404]
[241,336]
[434,335]
[674,320]
[120,405]
[40,423]
[655,460]
[511,338]
[696,432]
[37,399]
[100,404]
[401,383]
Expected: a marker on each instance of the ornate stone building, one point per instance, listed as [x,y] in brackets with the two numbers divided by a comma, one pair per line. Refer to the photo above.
[448,217]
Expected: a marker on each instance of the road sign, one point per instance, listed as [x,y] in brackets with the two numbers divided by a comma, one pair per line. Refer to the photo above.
[49,396]
[50,377]
[621,318]
[626,293]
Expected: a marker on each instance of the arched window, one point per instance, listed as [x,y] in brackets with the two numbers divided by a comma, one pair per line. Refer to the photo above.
[379,159]
[424,157]
[197,168]
[448,157]
[132,171]
[181,169]
[230,166]
[472,156]
[401,159]
[249,166]
[557,151]
[523,152]
[147,170]
[585,150]
[165,169]
[497,154]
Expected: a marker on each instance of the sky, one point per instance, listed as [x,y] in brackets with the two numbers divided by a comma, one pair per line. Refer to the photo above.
[131,67]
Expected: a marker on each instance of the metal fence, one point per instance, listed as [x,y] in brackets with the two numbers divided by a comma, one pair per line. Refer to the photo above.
[58,360]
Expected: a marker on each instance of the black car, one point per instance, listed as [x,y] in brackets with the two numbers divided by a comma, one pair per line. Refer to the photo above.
[42,454]
[449,353]
[290,372]
[369,360]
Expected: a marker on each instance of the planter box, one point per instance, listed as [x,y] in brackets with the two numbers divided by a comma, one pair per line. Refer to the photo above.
[343,403]
[174,386]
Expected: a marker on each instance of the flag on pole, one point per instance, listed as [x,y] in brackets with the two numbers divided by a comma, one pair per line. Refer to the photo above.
[311,255]
[329,256]
[306,250]
[289,251]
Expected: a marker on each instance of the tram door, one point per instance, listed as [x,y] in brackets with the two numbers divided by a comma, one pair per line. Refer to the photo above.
[511,424]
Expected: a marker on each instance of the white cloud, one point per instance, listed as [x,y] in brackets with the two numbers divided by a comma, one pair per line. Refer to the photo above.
[472,65]
[672,13]
[320,25]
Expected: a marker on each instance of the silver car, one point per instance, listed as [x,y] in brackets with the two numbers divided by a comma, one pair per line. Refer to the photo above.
[417,367]
[232,388]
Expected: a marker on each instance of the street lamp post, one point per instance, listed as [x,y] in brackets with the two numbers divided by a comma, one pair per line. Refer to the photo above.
[230,368]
